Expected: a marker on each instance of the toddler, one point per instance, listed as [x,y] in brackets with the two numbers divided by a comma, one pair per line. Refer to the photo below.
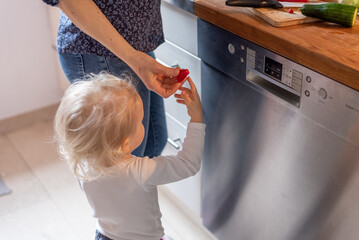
[98,124]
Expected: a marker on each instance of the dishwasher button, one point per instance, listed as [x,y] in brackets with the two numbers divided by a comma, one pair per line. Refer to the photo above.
[307,93]
[322,93]
[308,78]
[231,48]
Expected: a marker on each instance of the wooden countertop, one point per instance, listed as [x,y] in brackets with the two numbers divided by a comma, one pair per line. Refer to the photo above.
[327,48]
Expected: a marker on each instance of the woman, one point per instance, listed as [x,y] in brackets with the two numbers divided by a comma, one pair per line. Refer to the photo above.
[118,37]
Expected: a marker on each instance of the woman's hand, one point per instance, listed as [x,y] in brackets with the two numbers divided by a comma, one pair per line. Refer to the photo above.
[154,75]
[191,99]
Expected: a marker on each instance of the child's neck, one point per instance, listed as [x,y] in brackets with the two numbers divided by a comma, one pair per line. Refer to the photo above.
[120,160]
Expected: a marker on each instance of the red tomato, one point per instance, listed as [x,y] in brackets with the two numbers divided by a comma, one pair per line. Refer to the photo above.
[182,75]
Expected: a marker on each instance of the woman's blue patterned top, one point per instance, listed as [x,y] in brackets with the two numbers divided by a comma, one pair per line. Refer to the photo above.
[138,21]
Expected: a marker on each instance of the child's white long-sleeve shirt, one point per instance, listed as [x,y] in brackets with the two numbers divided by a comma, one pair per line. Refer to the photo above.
[126,203]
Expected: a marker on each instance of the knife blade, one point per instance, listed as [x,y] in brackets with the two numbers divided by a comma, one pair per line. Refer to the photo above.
[254,3]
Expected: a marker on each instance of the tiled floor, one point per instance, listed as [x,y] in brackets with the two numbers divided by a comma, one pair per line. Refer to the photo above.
[46,202]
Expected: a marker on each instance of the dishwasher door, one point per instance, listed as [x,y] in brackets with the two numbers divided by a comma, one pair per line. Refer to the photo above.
[275,167]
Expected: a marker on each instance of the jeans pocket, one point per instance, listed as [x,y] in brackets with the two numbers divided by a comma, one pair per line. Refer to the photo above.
[72,65]
[99,236]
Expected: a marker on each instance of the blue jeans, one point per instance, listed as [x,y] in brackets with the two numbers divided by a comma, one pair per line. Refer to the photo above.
[76,66]
[100,236]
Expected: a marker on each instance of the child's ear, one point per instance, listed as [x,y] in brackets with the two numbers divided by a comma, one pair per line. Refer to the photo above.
[125,146]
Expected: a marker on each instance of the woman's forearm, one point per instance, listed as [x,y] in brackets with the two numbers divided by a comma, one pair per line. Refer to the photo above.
[88,17]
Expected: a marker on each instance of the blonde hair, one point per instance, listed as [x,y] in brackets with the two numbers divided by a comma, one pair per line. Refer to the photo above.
[94,118]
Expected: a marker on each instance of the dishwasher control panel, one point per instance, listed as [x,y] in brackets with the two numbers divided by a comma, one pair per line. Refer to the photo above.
[275,70]
[278,79]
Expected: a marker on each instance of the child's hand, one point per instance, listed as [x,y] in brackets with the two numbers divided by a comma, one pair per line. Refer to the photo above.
[191,99]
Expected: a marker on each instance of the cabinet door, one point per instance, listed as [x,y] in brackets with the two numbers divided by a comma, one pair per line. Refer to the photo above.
[179,27]
[187,190]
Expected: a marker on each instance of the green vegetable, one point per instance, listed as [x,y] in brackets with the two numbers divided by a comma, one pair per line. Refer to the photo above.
[331,12]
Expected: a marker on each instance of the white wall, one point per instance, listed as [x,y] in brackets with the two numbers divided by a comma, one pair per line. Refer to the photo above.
[54,15]
[28,70]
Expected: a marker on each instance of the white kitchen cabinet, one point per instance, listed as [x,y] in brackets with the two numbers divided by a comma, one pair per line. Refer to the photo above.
[180,48]
[180,27]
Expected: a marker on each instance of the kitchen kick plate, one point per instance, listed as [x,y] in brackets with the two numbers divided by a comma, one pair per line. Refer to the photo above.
[281,17]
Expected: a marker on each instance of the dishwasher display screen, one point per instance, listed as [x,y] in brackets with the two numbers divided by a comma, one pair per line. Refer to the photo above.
[273,68]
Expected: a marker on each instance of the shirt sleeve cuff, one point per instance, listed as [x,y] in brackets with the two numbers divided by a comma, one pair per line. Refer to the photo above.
[194,125]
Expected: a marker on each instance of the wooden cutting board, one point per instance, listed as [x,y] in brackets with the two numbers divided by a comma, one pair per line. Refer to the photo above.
[281,17]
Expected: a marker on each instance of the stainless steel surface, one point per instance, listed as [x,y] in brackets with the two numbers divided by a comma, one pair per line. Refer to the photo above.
[278,164]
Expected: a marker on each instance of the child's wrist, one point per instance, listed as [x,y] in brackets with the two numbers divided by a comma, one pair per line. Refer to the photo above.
[196,119]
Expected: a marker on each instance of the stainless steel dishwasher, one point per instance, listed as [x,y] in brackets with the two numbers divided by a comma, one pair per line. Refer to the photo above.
[281,158]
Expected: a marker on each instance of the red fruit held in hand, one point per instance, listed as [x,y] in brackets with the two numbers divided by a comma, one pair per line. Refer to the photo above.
[182,75]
